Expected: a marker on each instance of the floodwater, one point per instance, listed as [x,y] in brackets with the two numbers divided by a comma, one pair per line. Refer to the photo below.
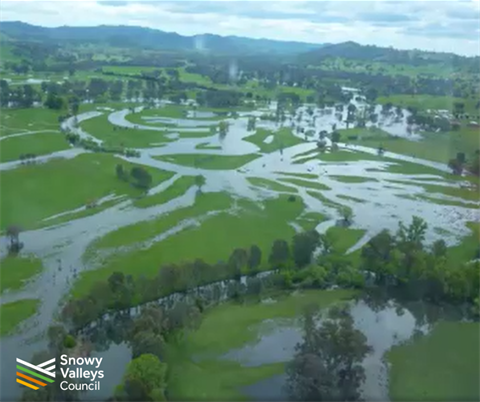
[61,246]
[383,329]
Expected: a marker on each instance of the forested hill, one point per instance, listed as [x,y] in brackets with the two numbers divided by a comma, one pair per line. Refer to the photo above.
[353,50]
[146,38]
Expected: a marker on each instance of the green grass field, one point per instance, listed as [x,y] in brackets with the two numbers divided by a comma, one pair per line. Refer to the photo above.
[221,162]
[439,147]
[102,129]
[424,102]
[441,366]
[32,119]
[14,271]
[12,314]
[283,138]
[251,226]
[37,144]
[62,185]
[344,238]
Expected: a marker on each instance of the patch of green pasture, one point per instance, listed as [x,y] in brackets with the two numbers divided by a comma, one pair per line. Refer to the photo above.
[424,102]
[306,183]
[440,366]
[350,198]
[270,185]
[208,241]
[283,138]
[312,152]
[468,247]
[344,237]
[310,220]
[61,185]
[221,162]
[177,189]
[31,119]
[300,175]
[37,144]
[242,323]
[206,145]
[329,203]
[96,209]
[133,70]
[12,314]
[353,179]
[15,270]
[145,230]
[439,147]
[213,380]
[102,129]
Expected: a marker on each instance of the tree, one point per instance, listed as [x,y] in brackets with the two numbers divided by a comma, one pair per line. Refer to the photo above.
[328,362]
[335,136]
[254,258]
[238,259]
[200,182]
[347,215]
[121,174]
[54,101]
[142,177]
[147,342]
[251,123]
[378,256]
[279,255]
[145,379]
[304,244]
[13,234]
[456,166]
[223,129]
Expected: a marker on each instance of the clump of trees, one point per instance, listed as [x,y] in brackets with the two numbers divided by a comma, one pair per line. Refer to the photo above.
[327,365]
[138,176]
[145,380]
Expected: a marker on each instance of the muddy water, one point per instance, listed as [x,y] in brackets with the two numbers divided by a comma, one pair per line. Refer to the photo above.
[61,247]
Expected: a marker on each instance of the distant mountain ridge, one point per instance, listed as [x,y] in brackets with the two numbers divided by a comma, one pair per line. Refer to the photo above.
[126,36]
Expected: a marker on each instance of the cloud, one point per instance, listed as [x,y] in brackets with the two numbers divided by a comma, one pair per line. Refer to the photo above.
[430,25]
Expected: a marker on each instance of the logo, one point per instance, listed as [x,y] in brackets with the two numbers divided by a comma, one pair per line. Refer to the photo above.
[43,373]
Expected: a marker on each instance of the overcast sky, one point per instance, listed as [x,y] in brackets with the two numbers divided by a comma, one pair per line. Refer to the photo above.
[452,26]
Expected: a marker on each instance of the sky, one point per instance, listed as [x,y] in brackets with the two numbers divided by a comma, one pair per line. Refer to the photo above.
[446,26]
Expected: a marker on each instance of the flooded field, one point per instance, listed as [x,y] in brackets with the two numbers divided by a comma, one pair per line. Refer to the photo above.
[372,186]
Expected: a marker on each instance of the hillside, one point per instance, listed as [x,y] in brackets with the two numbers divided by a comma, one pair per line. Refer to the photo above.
[146,38]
